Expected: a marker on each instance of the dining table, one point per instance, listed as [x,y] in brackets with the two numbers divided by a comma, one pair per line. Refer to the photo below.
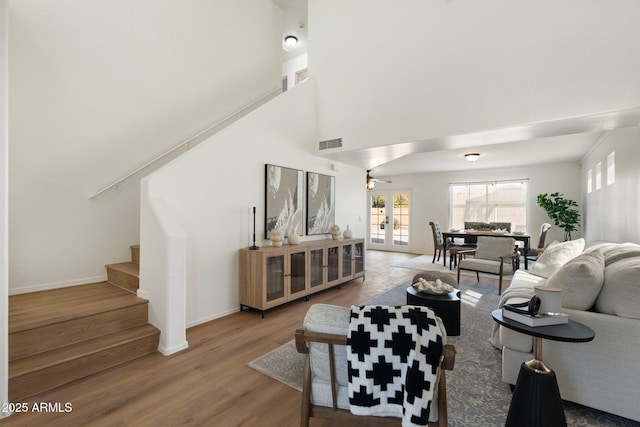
[471,236]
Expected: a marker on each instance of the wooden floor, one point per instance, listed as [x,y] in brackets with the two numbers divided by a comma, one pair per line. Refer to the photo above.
[208,384]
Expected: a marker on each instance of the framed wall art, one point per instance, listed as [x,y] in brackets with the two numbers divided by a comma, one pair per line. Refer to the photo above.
[321,213]
[283,200]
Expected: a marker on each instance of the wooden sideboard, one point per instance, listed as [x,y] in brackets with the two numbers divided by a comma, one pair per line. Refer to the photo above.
[271,275]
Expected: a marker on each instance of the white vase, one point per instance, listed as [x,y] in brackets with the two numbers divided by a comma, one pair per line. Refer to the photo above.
[347,234]
[293,238]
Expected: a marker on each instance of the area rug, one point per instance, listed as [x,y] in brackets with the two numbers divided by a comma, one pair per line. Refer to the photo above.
[476,395]
[425,262]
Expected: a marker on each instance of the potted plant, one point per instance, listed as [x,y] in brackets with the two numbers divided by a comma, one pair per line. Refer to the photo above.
[562,211]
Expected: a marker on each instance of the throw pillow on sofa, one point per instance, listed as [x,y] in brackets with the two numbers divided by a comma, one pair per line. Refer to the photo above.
[555,256]
[620,293]
[580,280]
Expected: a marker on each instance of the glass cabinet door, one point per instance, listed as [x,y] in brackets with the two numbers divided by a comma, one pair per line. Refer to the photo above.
[275,277]
[359,257]
[333,260]
[297,270]
[316,262]
[346,260]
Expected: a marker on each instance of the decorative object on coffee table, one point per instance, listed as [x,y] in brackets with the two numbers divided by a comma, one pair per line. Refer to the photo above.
[445,306]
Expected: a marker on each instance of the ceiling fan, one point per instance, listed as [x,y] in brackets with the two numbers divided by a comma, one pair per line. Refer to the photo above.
[371,181]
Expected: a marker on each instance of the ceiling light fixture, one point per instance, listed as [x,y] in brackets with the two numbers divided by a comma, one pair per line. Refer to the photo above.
[291,41]
[472,157]
[370,182]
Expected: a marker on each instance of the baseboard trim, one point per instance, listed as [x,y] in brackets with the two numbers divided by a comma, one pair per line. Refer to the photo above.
[143,294]
[174,349]
[56,285]
[212,317]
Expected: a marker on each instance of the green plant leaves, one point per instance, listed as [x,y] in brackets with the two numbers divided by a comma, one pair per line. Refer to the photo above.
[562,211]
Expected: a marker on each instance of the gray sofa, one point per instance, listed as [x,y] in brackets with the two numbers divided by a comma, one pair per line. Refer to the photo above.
[601,289]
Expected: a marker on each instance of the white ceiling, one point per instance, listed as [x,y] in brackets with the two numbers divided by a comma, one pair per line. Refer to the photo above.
[562,140]
[294,23]
[552,141]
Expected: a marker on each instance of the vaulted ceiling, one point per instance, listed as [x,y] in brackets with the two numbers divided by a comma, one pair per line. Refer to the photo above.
[452,41]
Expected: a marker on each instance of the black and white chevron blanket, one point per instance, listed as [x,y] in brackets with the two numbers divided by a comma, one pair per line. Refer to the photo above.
[393,355]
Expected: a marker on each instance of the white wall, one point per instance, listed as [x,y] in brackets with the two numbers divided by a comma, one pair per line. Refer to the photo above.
[4,208]
[431,197]
[212,189]
[98,89]
[387,73]
[292,66]
[611,213]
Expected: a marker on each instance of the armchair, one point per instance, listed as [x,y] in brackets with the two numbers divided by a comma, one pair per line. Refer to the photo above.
[491,256]
[325,384]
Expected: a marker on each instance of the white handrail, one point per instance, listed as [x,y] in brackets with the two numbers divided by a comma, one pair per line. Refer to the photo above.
[208,132]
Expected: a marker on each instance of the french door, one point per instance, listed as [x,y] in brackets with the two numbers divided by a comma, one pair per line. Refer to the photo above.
[389,220]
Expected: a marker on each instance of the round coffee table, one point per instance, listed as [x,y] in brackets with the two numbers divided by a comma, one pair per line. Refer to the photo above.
[446,307]
[536,399]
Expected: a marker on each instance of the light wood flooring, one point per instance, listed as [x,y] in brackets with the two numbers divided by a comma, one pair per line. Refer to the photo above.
[209,384]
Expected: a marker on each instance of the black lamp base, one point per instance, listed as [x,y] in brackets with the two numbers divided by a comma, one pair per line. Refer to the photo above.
[536,401]
[254,247]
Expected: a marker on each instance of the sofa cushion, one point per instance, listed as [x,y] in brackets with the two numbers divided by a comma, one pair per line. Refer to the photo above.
[620,293]
[580,280]
[555,256]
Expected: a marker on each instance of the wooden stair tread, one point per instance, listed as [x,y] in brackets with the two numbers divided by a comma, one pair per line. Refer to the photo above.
[28,311]
[77,350]
[131,268]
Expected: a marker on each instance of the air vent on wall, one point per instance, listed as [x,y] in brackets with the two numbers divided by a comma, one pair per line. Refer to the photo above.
[330,143]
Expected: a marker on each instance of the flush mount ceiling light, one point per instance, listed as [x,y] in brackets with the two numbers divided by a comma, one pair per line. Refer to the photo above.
[472,157]
[291,41]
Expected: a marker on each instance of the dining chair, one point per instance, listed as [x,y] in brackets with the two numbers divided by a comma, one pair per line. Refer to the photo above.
[533,253]
[439,245]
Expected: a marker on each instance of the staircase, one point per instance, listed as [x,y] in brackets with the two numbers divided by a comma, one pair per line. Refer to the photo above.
[59,336]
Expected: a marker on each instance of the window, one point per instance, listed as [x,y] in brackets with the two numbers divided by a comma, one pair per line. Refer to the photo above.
[611,168]
[598,175]
[494,201]
[589,180]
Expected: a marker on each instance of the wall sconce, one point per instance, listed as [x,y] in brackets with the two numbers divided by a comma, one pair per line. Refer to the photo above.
[472,157]
[291,41]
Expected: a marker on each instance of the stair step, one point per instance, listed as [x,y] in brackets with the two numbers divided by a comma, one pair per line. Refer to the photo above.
[37,309]
[124,274]
[44,371]
[59,334]
[135,254]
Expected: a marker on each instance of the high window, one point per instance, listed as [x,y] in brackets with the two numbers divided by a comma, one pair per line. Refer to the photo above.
[611,168]
[491,201]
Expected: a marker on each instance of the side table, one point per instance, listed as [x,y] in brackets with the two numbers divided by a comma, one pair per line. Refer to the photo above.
[446,307]
[536,399]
